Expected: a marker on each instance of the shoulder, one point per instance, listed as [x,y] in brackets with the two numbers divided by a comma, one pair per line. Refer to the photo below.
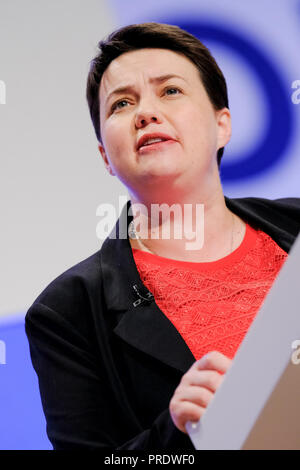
[281,203]
[70,294]
[288,207]
[279,218]
[288,204]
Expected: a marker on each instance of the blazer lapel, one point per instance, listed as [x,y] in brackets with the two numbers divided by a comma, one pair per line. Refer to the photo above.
[141,323]
[149,330]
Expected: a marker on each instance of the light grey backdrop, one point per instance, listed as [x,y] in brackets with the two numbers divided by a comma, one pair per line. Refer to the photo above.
[52,177]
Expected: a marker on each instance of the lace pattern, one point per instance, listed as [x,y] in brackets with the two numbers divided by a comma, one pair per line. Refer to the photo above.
[213,309]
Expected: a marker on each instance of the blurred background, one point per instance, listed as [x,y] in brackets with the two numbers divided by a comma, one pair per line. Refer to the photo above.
[52,177]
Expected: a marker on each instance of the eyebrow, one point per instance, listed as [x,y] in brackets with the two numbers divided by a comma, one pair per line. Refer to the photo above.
[155,80]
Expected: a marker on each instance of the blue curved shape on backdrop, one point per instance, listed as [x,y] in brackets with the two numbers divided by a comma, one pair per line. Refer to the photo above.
[269,151]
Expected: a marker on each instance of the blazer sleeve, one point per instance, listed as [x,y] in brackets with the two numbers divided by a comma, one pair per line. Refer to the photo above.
[81,408]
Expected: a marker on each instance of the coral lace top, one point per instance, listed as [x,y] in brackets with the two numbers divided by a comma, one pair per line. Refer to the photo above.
[213,304]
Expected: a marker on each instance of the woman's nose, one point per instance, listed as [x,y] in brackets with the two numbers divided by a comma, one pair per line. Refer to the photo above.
[143,118]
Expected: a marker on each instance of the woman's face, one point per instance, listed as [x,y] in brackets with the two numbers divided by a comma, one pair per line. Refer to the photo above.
[157,93]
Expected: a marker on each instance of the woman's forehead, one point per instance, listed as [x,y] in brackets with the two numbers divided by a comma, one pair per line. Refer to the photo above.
[150,63]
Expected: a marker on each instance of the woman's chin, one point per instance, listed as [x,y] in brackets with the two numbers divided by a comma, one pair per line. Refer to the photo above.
[154,176]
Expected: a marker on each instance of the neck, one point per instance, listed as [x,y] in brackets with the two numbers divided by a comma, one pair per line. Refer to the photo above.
[215,229]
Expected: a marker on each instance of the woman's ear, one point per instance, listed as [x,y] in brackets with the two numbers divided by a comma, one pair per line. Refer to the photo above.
[105,159]
[224,127]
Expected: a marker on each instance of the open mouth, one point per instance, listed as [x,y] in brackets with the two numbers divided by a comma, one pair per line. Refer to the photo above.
[155,141]
[155,145]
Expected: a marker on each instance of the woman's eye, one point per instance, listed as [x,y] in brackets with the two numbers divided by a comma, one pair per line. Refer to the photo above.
[172,91]
[119,105]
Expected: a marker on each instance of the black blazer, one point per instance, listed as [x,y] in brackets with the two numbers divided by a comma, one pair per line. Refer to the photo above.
[107,359]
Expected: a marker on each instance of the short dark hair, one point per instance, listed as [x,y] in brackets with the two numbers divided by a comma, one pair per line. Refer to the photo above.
[162,36]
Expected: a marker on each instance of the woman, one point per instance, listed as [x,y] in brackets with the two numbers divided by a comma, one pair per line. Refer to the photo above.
[133,342]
